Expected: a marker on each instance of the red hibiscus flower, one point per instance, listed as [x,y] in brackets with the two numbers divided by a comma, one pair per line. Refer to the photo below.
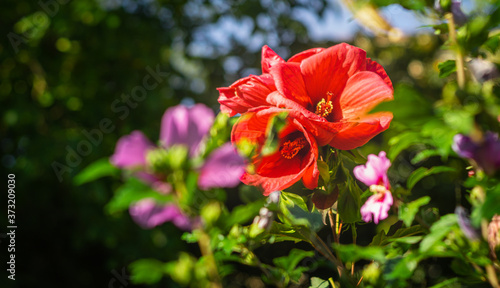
[252,91]
[333,89]
[295,159]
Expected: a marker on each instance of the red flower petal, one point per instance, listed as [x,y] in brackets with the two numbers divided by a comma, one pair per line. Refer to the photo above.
[361,131]
[246,93]
[328,71]
[269,59]
[363,92]
[275,172]
[323,130]
[290,83]
[377,68]
[299,57]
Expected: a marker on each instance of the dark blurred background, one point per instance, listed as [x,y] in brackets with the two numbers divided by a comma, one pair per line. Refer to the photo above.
[77,75]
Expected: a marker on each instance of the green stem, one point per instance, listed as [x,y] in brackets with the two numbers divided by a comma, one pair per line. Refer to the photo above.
[206,251]
[354,236]
[492,276]
[459,54]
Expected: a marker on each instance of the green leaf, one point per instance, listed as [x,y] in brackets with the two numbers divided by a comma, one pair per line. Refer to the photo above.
[182,269]
[425,154]
[319,283]
[312,219]
[492,44]
[446,68]
[243,213]
[96,170]
[403,141]
[447,282]
[407,211]
[439,230]
[407,240]
[354,155]
[146,271]
[422,172]
[289,262]
[349,203]
[352,252]
[282,232]
[277,123]
[400,235]
[324,171]
[291,199]
[488,208]
[132,191]
[401,267]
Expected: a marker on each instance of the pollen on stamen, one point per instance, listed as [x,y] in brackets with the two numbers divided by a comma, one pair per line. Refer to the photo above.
[324,108]
[290,149]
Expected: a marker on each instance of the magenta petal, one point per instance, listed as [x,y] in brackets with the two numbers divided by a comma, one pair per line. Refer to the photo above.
[375,170]
[131,150]
[377,206]
[486,154]
[464,146]
[223,168]
[186,126]
[148,214]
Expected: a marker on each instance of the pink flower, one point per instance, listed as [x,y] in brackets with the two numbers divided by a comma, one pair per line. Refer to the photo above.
[223,168]
[377,205]
[131,150]
[375,170]
[149,214]
[374,175]
[180,126]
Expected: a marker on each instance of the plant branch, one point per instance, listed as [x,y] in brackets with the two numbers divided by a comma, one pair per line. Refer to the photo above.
[459,55]
[206,251]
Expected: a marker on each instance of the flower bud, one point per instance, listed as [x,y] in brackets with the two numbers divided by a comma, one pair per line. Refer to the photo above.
[493,235]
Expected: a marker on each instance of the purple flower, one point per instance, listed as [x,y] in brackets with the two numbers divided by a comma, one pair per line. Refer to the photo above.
[148,214]
[483,70]
[374,175]
[458,15]
[186,126]
[485,153]
[223,168]
[465,224]
[130,151]
[375,170]
[377,206]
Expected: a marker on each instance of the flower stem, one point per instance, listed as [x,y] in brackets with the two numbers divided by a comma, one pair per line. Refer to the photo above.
[492,276]
[206,251]
[459,54]
[354,236]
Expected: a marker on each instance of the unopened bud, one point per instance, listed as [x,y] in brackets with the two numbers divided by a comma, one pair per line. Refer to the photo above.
[493,235]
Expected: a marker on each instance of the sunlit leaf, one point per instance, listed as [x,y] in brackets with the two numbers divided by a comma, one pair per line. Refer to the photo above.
[96,170]
[407,211]
[446,68]
[422,172]
[146,271]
